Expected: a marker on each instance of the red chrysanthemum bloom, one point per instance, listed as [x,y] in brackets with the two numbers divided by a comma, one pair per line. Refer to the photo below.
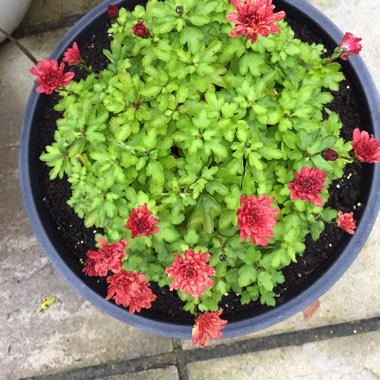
[254,17]
[72,55]
[330,155]
[109,257]
[346,221]
[113,11]
[89,268]
[140,30]
[309,182]
[50,76]
[191,273]
[207,326]
[366,147]
[142,222]
[131,290]
[256,218]
[350,45]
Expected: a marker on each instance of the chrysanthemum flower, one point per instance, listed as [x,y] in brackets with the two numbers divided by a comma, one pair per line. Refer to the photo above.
[142,222]
[131,290]
[140,30]
[113,11]
[109,257]
[191,273]
[89,268]
[308,184]
[346,221]
[366,147]
[72,55]
[207,326]
[254,17]
[50,76]
[330,155]
[256,218]
[350,45]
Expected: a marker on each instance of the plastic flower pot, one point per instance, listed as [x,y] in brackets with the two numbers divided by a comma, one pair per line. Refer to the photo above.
[67,264]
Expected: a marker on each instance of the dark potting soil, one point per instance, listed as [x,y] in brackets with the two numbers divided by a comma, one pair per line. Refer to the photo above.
[345,194]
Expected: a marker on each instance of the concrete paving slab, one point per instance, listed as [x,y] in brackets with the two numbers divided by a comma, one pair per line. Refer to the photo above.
[349,358]
[71,333]
[42,11]
[51,341]
[355,296]
[168,373]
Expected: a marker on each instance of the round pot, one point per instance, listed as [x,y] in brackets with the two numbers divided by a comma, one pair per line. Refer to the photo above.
[67,264]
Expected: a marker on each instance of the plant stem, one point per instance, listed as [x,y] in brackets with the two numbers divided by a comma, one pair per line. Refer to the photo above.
[20,46]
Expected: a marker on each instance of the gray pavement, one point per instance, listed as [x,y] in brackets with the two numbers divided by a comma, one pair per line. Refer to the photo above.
[77,340]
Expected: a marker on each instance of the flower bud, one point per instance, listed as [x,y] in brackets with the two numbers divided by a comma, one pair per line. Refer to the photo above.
[330,155]
[140,30]
[113,11]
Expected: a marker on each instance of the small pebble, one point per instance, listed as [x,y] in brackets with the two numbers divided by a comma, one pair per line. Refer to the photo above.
[355,332]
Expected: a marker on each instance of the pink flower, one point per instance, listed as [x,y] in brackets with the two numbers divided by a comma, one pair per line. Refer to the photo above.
[140,30]
[191,273]
[109,257]
[207,326]
[256,218]
[366,147]
[89,268]
[350,45]
[131,290]
[142,222]
[307,185]
[50,76]
[254,17]
[346,221]
[330,155]
[72,55]
[113,11]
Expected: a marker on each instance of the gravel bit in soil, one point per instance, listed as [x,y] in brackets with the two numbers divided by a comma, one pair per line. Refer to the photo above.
[319,255]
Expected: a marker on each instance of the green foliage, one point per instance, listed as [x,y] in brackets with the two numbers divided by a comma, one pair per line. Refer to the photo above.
[187,121]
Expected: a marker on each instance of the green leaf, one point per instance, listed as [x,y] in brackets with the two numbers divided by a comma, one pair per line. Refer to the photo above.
[227,218]
[329,214]
[156,172]
[192,37]
[265,281]
[247,275]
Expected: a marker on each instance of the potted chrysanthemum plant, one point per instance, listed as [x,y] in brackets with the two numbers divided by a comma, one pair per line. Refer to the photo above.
[201,155]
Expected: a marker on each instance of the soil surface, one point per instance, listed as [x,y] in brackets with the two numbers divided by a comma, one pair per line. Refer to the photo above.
[345,194]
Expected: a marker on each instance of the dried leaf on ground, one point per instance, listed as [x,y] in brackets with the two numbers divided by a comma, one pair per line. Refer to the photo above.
[309,311]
